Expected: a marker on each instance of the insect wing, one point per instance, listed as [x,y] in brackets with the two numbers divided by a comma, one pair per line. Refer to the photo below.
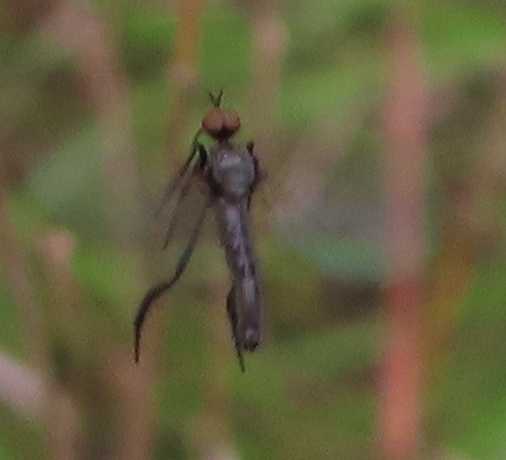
[183,213]
[181,199]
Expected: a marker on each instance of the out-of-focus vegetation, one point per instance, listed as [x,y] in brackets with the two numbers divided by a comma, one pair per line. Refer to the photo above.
[98,104]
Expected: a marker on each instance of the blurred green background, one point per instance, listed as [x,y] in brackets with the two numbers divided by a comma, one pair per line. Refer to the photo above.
[98,105]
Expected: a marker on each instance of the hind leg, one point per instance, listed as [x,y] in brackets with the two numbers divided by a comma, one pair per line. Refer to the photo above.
[233,319]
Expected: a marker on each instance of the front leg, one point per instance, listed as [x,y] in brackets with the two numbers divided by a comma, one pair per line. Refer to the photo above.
[259,174]
[203,165]
[183,176]
[203,157]
[234,321]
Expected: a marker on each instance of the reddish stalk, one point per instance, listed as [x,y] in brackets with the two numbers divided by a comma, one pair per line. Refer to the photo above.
[21,389]
[269,43]
[35,393]
[17,276]
[404,118]
[91,39]
[66,315]
[183,76]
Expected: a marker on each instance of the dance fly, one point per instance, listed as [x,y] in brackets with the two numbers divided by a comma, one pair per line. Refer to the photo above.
[228,174]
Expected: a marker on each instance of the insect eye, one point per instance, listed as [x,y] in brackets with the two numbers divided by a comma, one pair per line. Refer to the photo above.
[212,122]
[231,121]
[221,123]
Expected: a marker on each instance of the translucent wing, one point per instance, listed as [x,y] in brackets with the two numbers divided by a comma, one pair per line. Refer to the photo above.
[181,198]
[180,183]
[183,206]
[161,288]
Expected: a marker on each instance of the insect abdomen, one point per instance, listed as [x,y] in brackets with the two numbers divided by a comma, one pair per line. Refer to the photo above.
[233,221]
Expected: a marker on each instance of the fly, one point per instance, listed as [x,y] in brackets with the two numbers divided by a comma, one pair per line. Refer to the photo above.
[229,174]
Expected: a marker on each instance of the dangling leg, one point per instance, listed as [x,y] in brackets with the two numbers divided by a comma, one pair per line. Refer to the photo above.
[174,218]
[156,291]
[232,317]
[201,165]
[259,174]
[180,175]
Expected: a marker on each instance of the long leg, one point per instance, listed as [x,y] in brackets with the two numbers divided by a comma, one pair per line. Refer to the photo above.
[174,218]
[202,162]
[259,174]
[156,291]
[232,316]
[180,175]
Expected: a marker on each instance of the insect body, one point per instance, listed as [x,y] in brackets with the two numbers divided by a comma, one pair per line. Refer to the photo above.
[230,174]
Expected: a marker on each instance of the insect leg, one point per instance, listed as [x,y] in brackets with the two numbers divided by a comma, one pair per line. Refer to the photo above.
[202,162]
[156,291]
[203,156]
[259,174]
[180,175]
[232,317]
[176,213]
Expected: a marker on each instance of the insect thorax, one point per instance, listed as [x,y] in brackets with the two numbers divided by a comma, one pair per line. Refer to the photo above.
[232,170]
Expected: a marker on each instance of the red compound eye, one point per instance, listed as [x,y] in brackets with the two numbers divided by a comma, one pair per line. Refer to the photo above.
[221,123]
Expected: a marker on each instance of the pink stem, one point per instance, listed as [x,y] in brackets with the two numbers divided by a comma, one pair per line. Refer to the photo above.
[404,119]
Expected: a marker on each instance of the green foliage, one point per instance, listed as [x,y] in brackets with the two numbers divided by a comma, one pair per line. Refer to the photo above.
[461,40]
[67,185]
[350,258]
[225,63]
[471,400]
[146,42]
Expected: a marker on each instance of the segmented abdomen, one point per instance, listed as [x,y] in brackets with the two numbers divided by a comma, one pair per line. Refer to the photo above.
[234,227]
